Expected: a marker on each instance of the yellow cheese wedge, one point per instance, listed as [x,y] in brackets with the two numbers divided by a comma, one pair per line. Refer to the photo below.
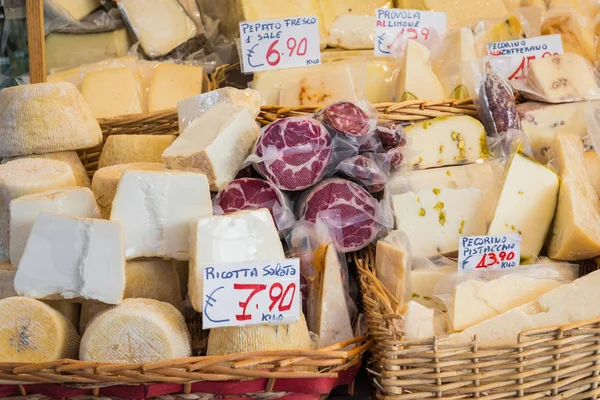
[171,83]
[417,80]
[592,166]
[113,92]
[391,262]
[458,46]
[577,37]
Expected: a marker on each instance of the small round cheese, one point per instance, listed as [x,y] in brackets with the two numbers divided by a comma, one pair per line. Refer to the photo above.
[70,157]
[123,149]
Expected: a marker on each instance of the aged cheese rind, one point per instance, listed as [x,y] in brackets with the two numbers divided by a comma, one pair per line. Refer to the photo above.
[125,149]
[391,262]
[216,144]
[152,279]
[69,309]
[89,311]
[75,201]
[106,180]
[32,331]
[136,331]
[113,92]
[156,209]
[45,118]
[7,277]
[69,257]
[576,230]
[27,176]
[592,166]
[171,83]
[70,157]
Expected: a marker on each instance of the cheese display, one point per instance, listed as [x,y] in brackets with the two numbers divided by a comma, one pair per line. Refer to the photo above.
[215,144]
[21,177]
[171,83]
[526,204]
[576,229]
[392,265]
[417,80]
[561,306]
[237,237]
[32,331]
[77,9]
[332,10]
[577,37]
[460,12]
[75,202]
[541,122]
[475,301]
[70,157]
[113,92]
[424,282]
[563,77]
[126,149]
[352,32]
[156,208]
[160,25]
[458,46]
[106,181]
[69,50]
[500,31]
[136,331]
[448,214]
[45,118]
[446,141]
[418,321]
[318,88]
[69,257]
[592,166]
[152,279]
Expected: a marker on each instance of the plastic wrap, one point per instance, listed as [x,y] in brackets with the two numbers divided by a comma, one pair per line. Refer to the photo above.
[499,30]
[369,169]
[79,17]
[252,194]
[426,274]
[457,46]
[488,293]
[391,134]
[352,32]
[575,28]
[393,263]
[352,121]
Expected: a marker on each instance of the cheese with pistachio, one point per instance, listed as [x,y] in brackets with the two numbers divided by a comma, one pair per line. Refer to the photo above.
[446,141]
[435,219]
[527,203]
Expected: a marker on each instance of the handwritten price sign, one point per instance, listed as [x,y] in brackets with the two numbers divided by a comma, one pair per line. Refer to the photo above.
[280,43]
[489,252]
[251,293]
[522,52]
[394,26]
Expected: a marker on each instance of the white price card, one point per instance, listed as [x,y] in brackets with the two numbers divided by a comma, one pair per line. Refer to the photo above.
[250,293]
[489,252]
[393,26]
[521,52]
[280,43]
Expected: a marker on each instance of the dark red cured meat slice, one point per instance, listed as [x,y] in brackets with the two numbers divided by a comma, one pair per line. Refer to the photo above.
[295,153]
[346,118]
[367,170]
[358,212]
[394,158]
[371,145]
[252,194]
[391,134]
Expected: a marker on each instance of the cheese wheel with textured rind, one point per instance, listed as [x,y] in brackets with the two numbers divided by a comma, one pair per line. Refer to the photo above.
[70,157]
[123,149]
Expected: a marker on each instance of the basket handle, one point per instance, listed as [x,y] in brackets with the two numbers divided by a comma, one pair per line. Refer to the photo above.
[35,40]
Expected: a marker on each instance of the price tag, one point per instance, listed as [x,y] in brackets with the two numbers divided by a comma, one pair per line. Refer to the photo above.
[394,25]
[250,293]
[280,43]
[489,252]
[523,51]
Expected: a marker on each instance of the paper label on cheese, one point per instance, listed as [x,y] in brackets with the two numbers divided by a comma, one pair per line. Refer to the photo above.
[519,53]
[489,252]
[393,26]
[280,43]
[251,293]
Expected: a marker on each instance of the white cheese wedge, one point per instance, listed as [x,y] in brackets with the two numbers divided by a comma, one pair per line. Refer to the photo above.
[333,315]
[474,301]
[69,257]
[34,332]
[190,109]
[527,203]
[70,50]
[352,32]
[541,122]
[563,305]
[171,83]
[77,9]
[318,88]
[75,202]
[416,79]
[435,219]
[125,149]
[592,166]
[391,263]
[70,157]
[232,238]
[21,177]
[106,181]
[459,13]
[156,209]
[7,278]
[576,230]
[216,144]
[159,25]
[423,284]
[136,331]
[458,46]
[113,92]
[418,321]
[45,118]
[562,77]
[446,141]
[331,9]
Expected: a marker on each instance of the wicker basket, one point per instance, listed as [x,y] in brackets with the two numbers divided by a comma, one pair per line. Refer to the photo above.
[557,362]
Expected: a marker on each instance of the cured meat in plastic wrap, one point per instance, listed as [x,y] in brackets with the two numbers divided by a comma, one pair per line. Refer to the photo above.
[391,135]
[370,170]
[349,120]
